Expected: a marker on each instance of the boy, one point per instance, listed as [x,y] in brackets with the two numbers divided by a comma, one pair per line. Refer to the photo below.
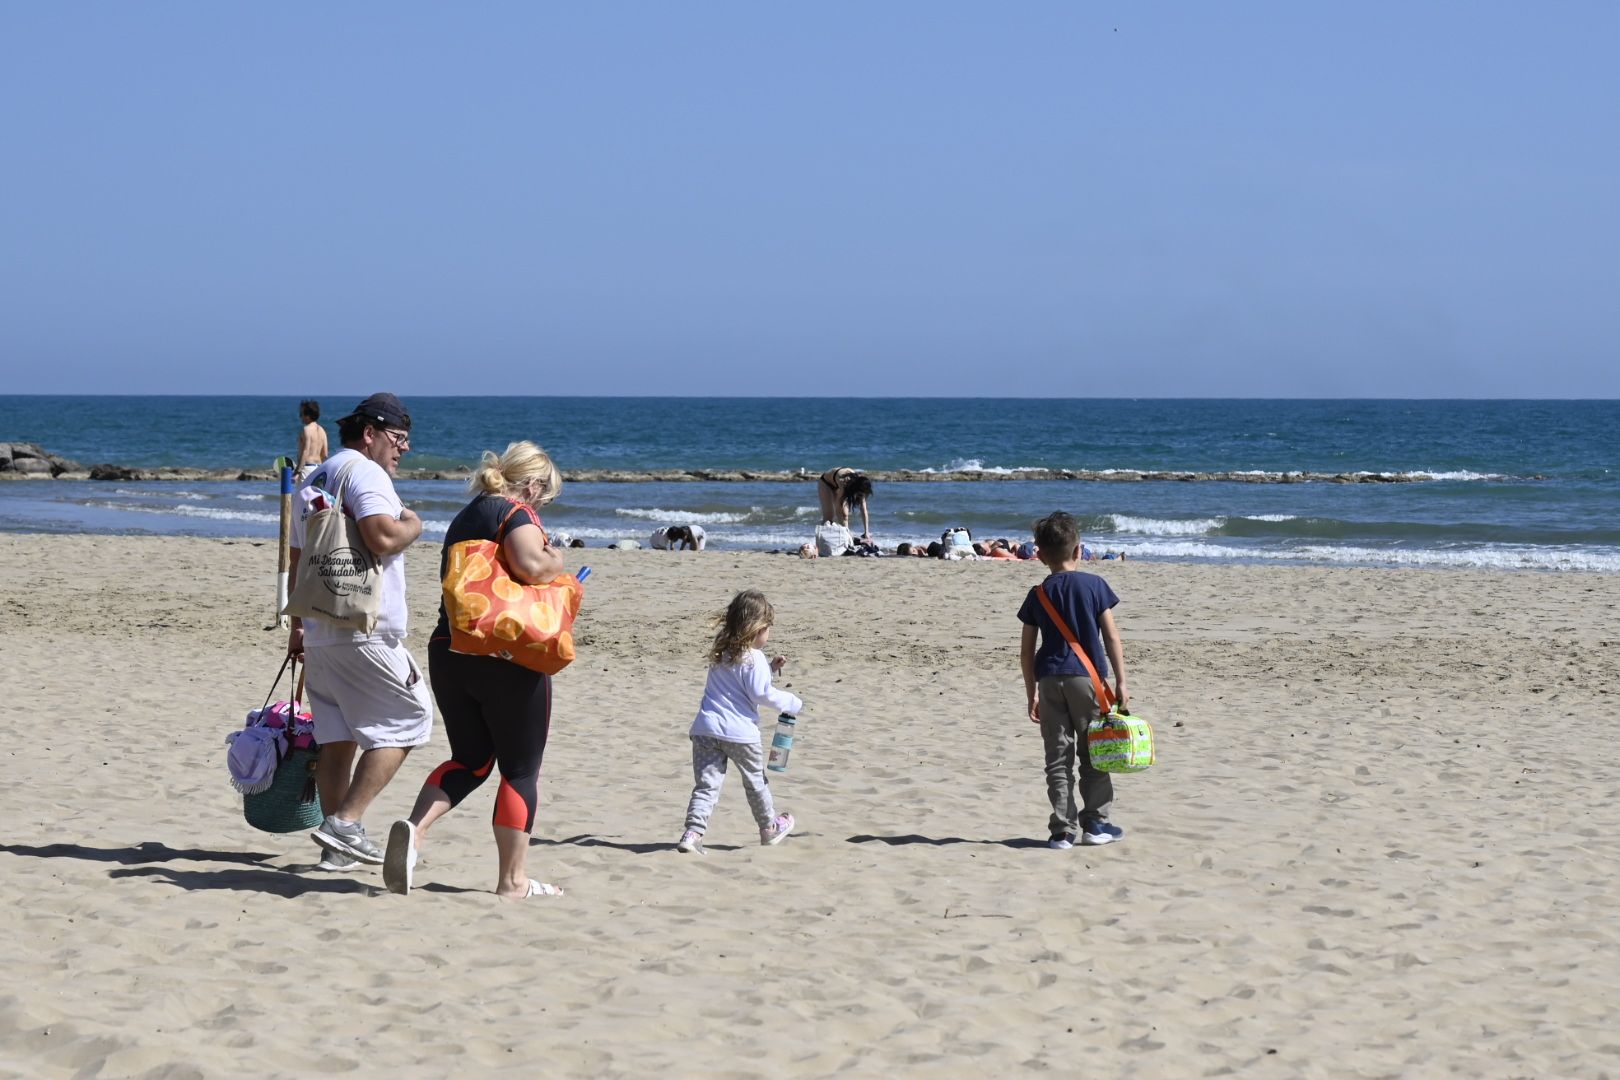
[1062,699]
[311,439]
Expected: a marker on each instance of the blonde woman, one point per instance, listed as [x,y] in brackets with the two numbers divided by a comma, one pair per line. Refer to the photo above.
[497,714]
[727,726]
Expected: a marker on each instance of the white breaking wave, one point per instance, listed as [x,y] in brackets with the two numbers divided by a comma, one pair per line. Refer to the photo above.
[683,517]
[978,465]
[1124,523]
[1426,474]
[254,498]
[164,494]
[1495,558]
[207,512]
[211,513]
[1271,517]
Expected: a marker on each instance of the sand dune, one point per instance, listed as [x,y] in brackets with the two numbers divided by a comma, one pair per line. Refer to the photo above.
[1380,840]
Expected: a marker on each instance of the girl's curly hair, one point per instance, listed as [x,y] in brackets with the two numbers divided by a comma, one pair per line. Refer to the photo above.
[737,626]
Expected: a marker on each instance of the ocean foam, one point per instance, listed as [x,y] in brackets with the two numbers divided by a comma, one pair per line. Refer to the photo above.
[207,512]
[977,465]
[1125,523]
[1491,558]
[684,517]
[1428,474]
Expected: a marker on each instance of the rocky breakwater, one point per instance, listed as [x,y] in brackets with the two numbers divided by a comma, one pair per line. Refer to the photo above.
[21,461]
[26,460]
[912,476]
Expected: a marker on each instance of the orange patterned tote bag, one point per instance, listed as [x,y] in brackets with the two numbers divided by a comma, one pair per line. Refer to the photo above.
[492,615]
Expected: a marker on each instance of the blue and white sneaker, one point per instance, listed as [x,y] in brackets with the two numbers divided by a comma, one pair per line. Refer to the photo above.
[1097,833]
[1061,842]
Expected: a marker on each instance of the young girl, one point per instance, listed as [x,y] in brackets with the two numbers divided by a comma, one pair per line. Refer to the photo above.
[727,724]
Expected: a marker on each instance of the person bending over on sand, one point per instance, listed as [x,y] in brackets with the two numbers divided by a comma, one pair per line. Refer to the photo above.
[727,724]
[365,690]
[496,713]
[1062,698]
[839,490]
[679,538]
[311,439]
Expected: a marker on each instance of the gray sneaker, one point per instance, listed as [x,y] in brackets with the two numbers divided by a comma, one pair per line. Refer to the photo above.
[347,838]
[336,861]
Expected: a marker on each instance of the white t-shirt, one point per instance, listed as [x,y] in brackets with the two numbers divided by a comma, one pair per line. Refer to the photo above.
[367,490]
[660,538]
[733,695]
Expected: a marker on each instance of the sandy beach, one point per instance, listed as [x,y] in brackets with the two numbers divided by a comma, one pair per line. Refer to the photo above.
[1380,839]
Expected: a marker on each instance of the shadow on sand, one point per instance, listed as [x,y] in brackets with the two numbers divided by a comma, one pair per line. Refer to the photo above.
[587,840]
[134,855]
[913,838]
[285,883]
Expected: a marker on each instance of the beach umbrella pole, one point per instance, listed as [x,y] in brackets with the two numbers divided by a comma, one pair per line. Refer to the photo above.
[285,466]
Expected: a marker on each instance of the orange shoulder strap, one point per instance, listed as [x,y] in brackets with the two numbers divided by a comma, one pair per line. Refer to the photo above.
[1105,696]
[500,533]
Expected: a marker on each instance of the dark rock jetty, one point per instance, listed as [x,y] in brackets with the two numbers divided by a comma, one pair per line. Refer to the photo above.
[28,461]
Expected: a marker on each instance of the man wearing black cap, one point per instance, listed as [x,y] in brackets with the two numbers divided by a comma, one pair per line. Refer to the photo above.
[366,690]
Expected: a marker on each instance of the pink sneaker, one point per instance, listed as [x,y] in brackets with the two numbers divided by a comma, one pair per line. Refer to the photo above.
[776,830]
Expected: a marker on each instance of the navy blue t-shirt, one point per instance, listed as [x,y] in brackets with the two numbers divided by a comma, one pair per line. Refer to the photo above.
[1081,599]
[479,520]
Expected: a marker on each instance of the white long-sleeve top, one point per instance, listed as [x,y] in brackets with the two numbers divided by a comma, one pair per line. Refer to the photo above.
[733,696]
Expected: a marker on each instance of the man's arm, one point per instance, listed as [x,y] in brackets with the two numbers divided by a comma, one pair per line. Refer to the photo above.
[1116,656]
[1026,662]
[386,535]
[295,635]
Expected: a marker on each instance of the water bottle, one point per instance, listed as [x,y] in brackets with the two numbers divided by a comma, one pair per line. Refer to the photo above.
[781,743]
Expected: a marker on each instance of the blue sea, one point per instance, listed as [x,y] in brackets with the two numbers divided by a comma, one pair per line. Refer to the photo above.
[1531,485]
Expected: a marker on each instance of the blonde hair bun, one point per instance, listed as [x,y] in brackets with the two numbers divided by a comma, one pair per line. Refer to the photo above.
[509,473]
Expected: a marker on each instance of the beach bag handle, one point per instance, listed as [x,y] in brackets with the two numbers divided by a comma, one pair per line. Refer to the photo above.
[1105,696]
[298,685]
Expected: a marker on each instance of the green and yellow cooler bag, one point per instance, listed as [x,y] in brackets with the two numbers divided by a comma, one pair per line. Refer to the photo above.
[1120,743]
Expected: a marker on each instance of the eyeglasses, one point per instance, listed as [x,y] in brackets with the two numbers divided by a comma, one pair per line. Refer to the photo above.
[400,439]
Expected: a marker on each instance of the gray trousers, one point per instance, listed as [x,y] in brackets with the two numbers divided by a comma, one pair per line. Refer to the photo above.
[709,758]
[1068,705]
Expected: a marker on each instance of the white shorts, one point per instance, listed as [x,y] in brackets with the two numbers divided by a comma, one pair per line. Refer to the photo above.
[368,692]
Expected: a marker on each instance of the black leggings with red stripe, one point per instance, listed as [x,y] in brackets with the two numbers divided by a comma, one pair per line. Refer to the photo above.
[495,714]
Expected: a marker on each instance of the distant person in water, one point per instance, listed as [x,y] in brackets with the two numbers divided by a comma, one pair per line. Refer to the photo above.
[311,438]
[839,491]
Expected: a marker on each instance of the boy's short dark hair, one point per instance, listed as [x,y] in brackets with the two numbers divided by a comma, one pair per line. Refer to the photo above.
[1057,535]
[309,409]
[903,549]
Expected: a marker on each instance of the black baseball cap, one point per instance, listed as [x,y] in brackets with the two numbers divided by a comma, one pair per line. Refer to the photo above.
[385,409]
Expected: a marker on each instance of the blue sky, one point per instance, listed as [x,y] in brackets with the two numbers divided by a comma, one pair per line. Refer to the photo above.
[1251,199]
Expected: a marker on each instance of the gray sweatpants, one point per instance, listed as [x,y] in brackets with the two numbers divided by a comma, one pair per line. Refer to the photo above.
[709,758]
[1068,705]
